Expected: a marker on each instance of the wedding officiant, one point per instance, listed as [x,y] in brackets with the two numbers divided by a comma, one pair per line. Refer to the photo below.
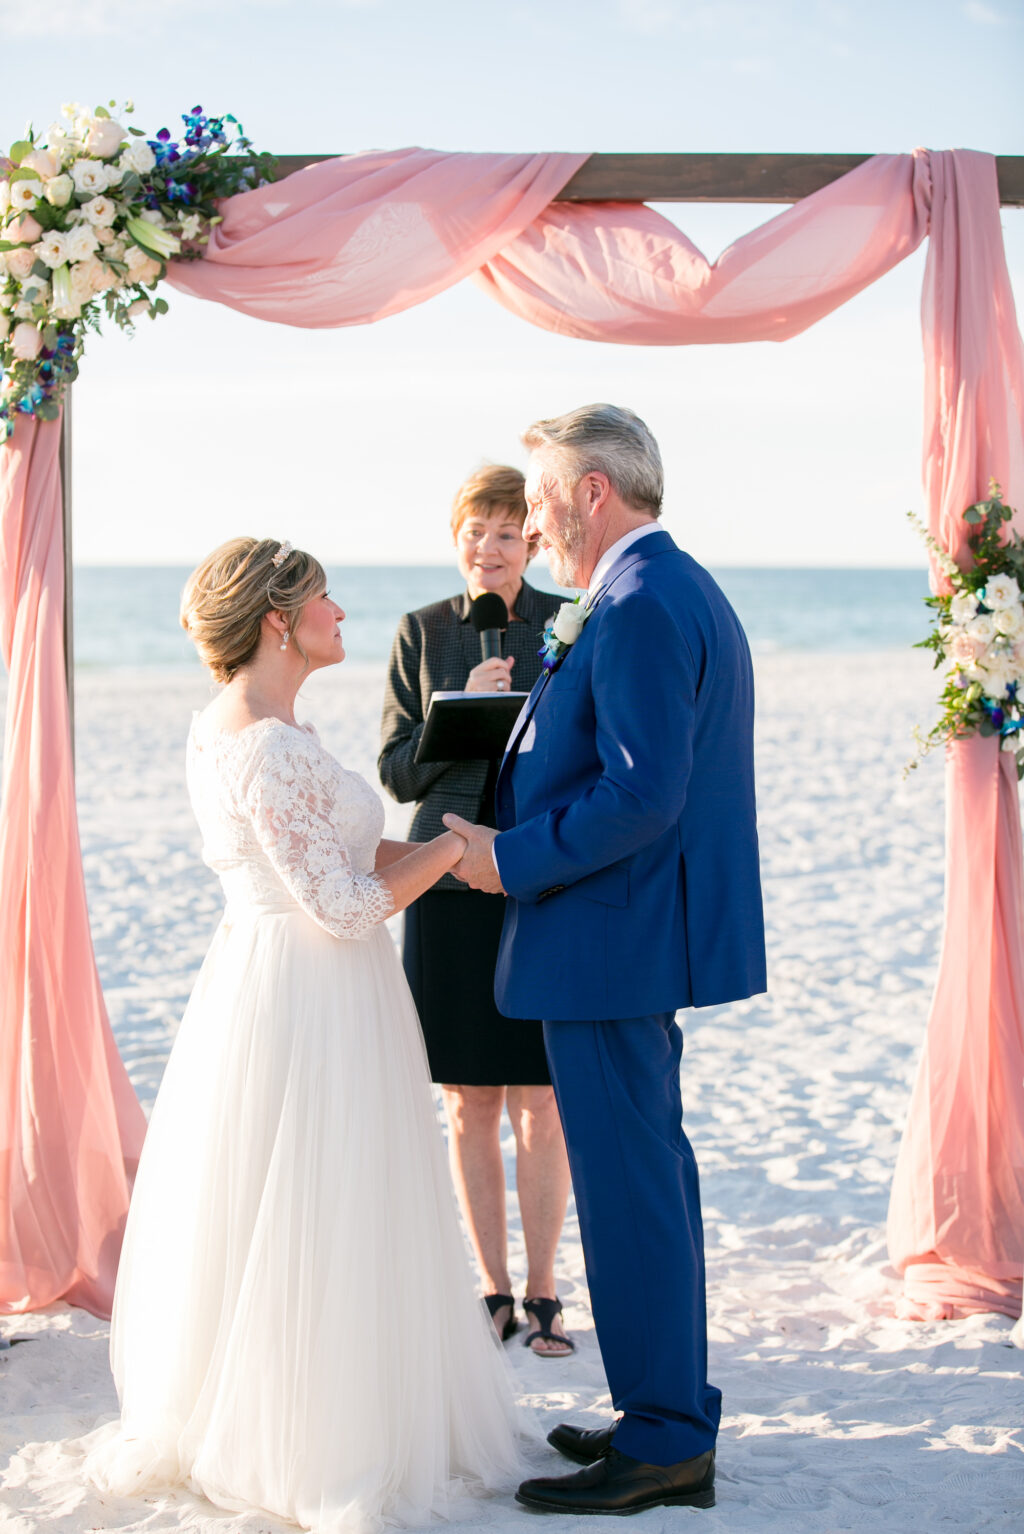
[484,1062]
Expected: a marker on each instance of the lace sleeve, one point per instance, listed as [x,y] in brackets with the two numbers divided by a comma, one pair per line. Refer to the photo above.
[295,818]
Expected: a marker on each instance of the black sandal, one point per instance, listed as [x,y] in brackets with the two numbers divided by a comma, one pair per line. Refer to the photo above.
[544,1312]
[494,1303]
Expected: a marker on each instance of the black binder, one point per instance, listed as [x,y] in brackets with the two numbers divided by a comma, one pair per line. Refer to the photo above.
[468,726]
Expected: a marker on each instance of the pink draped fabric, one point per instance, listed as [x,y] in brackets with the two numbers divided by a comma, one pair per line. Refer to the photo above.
[71,1128]
[352,240]
[956,1218]
[618,272]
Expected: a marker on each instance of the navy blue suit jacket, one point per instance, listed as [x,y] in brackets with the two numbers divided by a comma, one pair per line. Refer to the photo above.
[625,806]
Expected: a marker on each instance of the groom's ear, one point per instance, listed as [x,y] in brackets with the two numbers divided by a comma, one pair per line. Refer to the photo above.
[596,488]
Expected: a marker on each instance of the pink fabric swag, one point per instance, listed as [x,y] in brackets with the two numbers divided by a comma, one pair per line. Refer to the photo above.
[354,239]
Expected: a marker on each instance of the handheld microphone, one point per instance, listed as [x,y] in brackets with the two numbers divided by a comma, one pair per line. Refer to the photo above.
[489,616]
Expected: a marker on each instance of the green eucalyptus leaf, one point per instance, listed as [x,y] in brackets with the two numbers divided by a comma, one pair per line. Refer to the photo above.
[24,173]
[973,515]
[102,111]
[49,410]
[986,727]
[19,149]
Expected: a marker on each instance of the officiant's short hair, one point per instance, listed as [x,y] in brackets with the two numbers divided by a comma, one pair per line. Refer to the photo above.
[603,439]
[494,488]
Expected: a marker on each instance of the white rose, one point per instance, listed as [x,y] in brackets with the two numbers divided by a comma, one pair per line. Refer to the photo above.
[52,249]
[99,210]
[20,262]
[89,176]
[1001,591]
[42,162]
[153,216]
[138,157]
[963,607]
[26,342]
[104,137]
[5,197]
[3,264]
[982,628]
[5,326]
[81,242]
[25,194]
[59,190]
[569,621]
[1009,620]
[996,672]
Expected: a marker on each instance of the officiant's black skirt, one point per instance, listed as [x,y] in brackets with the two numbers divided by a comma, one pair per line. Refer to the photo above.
[450,952]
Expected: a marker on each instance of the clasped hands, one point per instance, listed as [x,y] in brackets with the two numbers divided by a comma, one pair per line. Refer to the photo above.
[476,866]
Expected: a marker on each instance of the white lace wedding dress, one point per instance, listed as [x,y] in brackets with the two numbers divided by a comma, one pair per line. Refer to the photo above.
[295,1327]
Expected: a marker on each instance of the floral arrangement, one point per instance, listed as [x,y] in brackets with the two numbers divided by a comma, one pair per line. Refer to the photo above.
[978,632]
[563,630]
[90,214]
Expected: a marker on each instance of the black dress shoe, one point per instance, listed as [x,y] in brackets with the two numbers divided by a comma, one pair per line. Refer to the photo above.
[618,1484]
[583,1444]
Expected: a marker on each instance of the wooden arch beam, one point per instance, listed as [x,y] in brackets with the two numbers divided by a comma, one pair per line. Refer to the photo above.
[771,178]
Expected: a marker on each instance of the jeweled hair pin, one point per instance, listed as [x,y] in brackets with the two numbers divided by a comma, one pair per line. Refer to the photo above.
[282,554]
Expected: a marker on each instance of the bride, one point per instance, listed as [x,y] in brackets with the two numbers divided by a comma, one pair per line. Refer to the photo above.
[294,1325]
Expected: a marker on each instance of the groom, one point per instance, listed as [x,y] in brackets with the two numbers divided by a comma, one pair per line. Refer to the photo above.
[628,850]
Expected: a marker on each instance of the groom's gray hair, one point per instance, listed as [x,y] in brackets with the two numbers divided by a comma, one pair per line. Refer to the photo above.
[602,439]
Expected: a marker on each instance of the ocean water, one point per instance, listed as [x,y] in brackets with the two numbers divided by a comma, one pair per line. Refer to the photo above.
[128,616]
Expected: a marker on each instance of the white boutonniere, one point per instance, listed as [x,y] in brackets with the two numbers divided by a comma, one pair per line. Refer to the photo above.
[563,631]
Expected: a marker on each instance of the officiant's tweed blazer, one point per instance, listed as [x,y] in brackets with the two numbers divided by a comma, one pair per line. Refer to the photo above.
[434,650]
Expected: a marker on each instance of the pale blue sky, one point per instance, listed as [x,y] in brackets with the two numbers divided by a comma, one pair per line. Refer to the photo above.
[352,442]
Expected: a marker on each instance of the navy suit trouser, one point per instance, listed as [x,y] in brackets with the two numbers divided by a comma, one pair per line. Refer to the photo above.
[638,1201]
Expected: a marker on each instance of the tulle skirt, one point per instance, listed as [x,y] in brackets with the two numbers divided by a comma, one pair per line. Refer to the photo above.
[295,1327]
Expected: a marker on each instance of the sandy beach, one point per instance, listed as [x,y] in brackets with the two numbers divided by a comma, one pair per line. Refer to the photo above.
[837,1416]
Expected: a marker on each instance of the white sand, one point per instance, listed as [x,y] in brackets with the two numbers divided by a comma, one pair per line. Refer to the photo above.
[837,1417]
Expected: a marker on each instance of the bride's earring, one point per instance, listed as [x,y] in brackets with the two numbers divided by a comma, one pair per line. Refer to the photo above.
[284,641]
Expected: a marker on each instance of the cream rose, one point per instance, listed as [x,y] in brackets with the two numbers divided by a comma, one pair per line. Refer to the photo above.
[89,176]
[569,621]
[1001,591]
[26,342]
[141,268]
[59,190]
[964,649]
[104,137]
[99,210]
[5,326]
[81,242]
[52,249]
[20,262]
[25,194]
[5,197]
[42,162]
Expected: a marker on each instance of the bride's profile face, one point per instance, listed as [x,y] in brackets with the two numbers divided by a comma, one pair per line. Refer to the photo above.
[318,632]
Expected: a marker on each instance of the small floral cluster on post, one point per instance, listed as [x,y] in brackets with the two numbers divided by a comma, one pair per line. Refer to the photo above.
[978,633]
[90,214]
[562,632]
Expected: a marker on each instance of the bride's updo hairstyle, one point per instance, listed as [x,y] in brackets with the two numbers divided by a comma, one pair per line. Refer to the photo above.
[227,597]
